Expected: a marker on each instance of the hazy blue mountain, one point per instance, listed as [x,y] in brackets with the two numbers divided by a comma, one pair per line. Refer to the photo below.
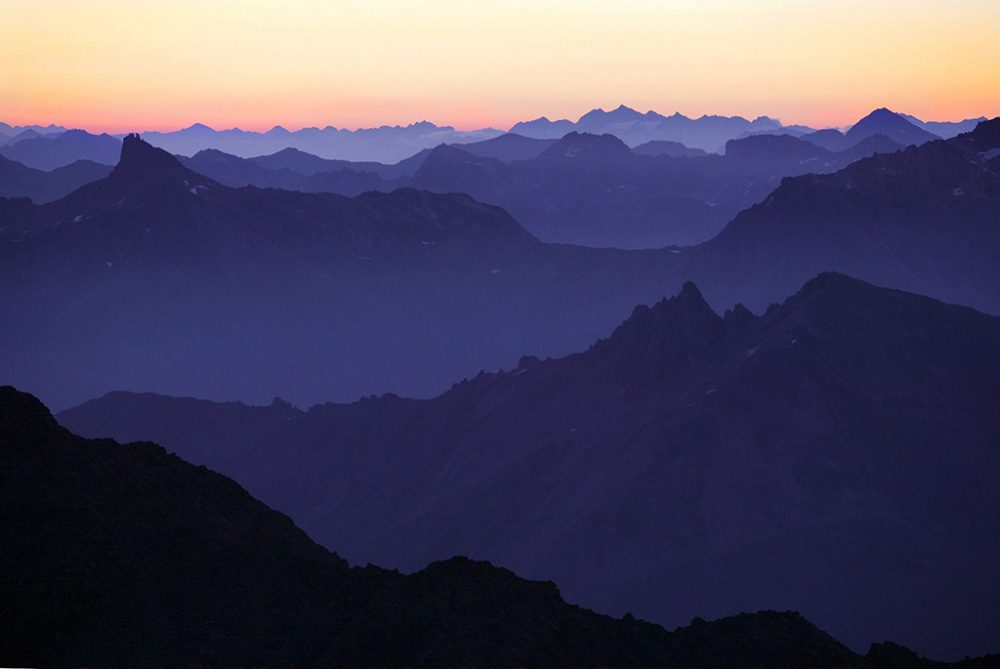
[923,219]
[17,180]
[386,144]
[10,133]
[591,189]
[158,278]
[307,164]
[542,128]
[888,123]
[833,456]
[830,139]
[508,147]
[662,147]
[49,151]
[161,278]
[709,133]
[945,129]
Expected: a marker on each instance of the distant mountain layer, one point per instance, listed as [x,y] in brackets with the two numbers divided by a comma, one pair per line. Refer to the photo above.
[10,133]
[946,129]
[663,147]
[160,272]
[836,455]
[582,189]
[923,219]
[708,133]
[17,180]
[158,278]
[394,144]
[591,189]
[384,144]
[51,151]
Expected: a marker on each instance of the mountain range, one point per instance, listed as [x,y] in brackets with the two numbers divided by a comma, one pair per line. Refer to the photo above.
[923,219]
[124,555]
[881,122]
[708,133]
[806,427]
[159,278]
[580,189]
[383,144]
[157,272]
[390,144]
[836,455]
[50,151]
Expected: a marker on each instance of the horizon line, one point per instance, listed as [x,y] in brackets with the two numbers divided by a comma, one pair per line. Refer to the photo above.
[291,128]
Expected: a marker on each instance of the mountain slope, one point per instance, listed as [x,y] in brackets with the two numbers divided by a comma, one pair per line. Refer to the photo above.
[175,564]
[143,559]
[834,455]
[923,219]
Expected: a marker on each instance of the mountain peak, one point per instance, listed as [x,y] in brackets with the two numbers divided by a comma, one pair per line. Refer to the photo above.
[669,334]
[596,118]
[583,144]
[891,124]
[142,161]
[689,293]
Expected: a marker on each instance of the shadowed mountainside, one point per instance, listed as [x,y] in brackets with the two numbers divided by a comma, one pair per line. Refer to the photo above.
[834,456]
[924,219]
[125,555]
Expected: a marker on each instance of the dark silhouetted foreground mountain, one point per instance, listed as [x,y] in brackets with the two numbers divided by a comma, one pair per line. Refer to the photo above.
[124,555]
[926,219]
[17,180]
[50,151]
[837,456]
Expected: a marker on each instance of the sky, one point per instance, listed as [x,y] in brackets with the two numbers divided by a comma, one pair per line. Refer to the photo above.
[119,65]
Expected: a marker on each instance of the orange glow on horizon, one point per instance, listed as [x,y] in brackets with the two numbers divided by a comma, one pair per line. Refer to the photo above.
[122,65]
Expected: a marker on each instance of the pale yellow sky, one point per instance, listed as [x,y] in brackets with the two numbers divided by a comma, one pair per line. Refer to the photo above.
[143,64]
